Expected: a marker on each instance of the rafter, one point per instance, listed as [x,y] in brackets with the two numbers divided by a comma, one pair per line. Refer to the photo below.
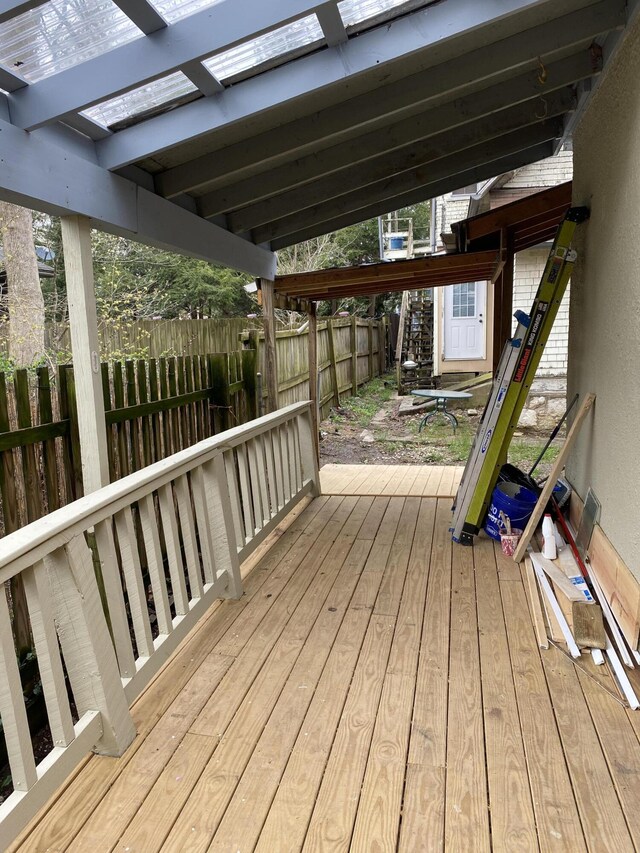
[354,192]
[143,14]
[420,192]
[332,25]
[12,8]
[444,73]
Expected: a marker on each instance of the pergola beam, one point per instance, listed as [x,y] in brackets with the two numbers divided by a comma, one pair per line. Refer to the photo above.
[419,193]
[406,45]
[12,8]
[443,79]
[403,163]
[116,204]
[198,36]
[143,14]
[408,180]
[332,25]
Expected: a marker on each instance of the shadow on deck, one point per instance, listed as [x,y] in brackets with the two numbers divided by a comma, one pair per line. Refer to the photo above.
[376,688]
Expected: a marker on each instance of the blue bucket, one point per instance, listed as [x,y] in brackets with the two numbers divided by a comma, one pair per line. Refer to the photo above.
[395,242]
[515,501]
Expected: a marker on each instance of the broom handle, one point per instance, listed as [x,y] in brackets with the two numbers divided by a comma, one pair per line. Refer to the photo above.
[556,430]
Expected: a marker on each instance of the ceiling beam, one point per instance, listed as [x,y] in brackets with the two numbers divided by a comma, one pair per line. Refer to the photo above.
[12,8]
[415,42]
[214,29]
[202,78]
[143,14]
[332,24]
[320,128]
[10,81]
[416,129]
[421,191]
[481,144]
[37,174]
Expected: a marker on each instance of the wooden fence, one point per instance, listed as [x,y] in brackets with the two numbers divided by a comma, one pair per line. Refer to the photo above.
[351,351]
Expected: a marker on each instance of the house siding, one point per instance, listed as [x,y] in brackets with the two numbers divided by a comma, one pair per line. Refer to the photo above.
[604,340]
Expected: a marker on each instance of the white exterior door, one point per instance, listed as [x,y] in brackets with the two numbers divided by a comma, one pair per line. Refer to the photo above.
[464,316]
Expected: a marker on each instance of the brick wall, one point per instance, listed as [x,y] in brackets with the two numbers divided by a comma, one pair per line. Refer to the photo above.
[529,267]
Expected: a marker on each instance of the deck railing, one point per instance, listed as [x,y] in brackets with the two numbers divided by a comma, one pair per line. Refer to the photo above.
[159,546]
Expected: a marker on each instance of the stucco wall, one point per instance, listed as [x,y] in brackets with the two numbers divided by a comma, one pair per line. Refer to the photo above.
[528,271]
[604,333]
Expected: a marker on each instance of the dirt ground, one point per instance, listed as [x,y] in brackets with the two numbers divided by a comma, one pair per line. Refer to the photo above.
[367,429]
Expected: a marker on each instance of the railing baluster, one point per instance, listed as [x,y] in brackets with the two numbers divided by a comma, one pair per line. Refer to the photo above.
[256,473]
[267,445]
[49,663]
[274,438]
[234,495]
[12,708]
[88,653]
[222,532]
[115,598]
[132,571]
[188,529]
[284,455]
[297,452]
[291,444]
[172,541]
[246,500]
[204,525]
[156,564]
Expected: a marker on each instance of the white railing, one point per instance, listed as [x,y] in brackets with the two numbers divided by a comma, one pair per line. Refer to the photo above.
[165,541]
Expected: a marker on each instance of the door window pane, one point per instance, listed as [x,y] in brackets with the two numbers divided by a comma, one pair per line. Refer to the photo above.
[464,300]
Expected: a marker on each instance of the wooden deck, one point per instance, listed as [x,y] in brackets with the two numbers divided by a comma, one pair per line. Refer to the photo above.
[376,688]
[427,481]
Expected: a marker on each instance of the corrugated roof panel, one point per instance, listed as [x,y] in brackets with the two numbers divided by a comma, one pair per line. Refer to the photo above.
[356,11]
[62,33]
[142,99]
[265,48]
[174,10]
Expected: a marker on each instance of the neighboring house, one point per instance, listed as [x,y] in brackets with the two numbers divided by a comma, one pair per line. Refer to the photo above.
[464,312]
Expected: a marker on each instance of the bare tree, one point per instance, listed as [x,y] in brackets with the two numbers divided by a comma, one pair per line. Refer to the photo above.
[24,294]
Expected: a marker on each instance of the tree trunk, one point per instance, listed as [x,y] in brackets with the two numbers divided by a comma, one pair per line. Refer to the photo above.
[25,301]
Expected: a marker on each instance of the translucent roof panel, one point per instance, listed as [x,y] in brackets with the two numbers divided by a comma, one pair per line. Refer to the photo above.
[264,48]
[62,33]
[142,99]
[173,10]
[356,11]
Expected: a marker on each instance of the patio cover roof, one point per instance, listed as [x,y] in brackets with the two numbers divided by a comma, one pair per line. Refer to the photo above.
[226,129]
[482,242]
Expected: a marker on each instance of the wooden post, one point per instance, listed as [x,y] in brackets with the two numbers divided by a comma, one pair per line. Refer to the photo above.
[354,356]
[250,378]
[370,347]
[270,353]
[332,360]
[313,377]
[76,240]
[503,301]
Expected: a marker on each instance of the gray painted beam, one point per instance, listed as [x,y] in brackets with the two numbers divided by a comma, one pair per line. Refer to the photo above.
[143,14]
[10,81]
[407,181]
[41,176]
[392,166]
[427,124]
[420,193]
[12,8]
[197,36]
[87,125]
[202,78]
[324,127]
[332,24]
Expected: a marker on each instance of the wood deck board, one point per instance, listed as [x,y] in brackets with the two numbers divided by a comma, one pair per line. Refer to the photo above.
[401,480]
[377,688]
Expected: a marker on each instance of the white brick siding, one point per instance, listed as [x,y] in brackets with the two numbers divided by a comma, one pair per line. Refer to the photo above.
[529,267]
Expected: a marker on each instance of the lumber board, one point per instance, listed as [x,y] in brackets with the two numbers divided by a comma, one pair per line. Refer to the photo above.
[555,472]
[534,604]
[620,587]
[512,818]
[601,815]
[554,805]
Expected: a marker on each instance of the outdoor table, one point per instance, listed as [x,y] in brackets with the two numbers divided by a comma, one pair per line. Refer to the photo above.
[441,395]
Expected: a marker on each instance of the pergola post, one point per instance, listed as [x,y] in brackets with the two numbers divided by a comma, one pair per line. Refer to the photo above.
[85,346]
[270,353]
[503,300]
[313,377]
